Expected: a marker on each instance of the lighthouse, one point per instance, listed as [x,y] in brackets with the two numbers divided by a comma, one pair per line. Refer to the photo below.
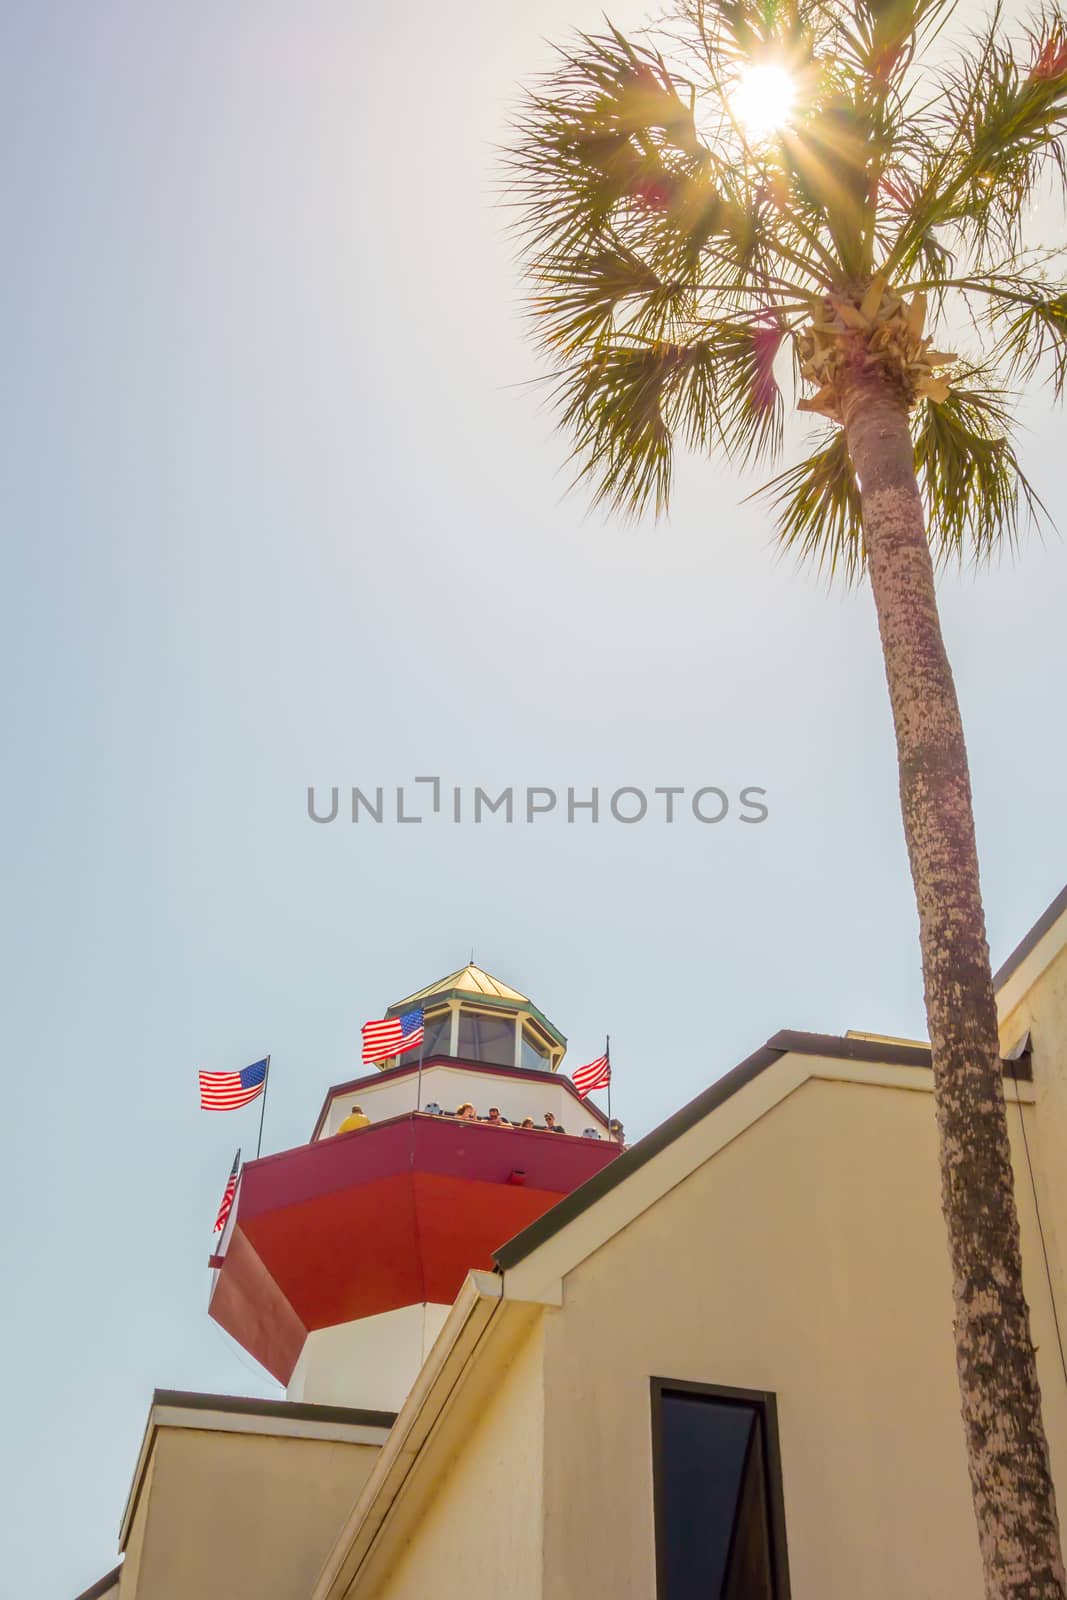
[341,1258]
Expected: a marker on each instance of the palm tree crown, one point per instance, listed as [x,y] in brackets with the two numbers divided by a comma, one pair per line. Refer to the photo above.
[677,262]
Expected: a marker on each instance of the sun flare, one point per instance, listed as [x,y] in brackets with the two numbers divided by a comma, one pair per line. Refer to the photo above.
[762,100]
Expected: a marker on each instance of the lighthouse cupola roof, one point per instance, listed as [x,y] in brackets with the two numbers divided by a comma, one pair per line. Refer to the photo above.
[474,1016]
[469,980]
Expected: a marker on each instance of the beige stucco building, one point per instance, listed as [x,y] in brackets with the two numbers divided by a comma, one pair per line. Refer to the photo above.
[721,1365]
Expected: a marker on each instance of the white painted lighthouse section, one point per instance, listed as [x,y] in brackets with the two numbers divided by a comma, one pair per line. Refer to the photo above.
[449,1086]
[370,1364]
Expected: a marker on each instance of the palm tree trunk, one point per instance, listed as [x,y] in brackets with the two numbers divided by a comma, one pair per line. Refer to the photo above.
[1014,1499]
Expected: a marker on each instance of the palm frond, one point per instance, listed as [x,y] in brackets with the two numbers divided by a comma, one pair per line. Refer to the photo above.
[995,132]
[611,130]
[621,404]
[833,156]
[608,143]
[883,38]
[974,491]
[749,408]
[1035,334]
[602,286]
[625,403]
[817,510]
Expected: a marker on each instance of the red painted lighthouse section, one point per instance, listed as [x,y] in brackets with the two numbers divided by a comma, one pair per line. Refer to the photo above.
[387,1216]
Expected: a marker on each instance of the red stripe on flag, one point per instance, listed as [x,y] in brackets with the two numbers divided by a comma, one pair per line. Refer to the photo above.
[387,1038]
[381,1039]
[224,1091]
[226,1203]
[595,1075]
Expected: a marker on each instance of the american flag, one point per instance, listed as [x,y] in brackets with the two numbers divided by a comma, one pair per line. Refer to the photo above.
[596,1075]
[225,1091]
[226,1203]
[392,1035]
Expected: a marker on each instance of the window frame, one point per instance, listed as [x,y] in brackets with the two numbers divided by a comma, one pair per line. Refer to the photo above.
[539,1042]
[765,1402]
[487,1014]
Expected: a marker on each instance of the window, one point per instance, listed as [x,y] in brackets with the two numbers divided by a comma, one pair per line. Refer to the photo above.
[486,1038]
[536,1054]
[436,1029]
[720,1525]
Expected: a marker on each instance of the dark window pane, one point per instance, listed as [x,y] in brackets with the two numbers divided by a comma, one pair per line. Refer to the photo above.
[437,1031]
[748,1571]
[438,1034]
[484,1038]
[713,1522]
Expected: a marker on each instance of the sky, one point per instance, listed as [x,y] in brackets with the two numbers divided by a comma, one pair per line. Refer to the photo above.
[282,507]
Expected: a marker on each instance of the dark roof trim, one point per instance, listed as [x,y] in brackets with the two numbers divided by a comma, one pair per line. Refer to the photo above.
[784,1042]
[296,1410]
[530,1074]
[617,1171]
[842,1049]
[884,1053]
[102,1585]
[1048,917]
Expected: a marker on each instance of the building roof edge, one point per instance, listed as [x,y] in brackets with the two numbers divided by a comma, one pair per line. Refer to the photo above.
[787,1041]
[254,1406]
[588,1193]
[102,1585]
[1030,940]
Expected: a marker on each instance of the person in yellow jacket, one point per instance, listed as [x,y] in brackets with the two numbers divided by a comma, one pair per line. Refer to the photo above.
[355,1119]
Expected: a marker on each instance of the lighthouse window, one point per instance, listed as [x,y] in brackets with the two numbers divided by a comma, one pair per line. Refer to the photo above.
[437,1027]
[487,1038]
[536,1055]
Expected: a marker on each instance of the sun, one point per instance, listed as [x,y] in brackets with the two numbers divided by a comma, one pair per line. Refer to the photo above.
[762,100]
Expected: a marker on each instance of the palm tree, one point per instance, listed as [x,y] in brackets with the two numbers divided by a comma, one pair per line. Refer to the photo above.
[691,280]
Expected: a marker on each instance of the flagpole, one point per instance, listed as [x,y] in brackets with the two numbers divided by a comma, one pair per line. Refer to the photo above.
[237,1171]
[607,1053]
[422,1047]
[263,1108]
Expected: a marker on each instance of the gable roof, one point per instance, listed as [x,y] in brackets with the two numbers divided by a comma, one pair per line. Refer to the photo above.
[785,1042]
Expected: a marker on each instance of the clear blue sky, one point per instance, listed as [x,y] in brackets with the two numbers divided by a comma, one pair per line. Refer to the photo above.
[280,509]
